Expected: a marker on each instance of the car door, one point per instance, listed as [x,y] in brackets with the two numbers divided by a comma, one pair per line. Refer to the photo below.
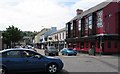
[34,61]
[13,60]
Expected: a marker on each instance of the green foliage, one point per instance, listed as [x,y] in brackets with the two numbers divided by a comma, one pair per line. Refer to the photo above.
[12,34]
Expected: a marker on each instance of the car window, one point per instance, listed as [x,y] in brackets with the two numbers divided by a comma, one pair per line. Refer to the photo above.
[12,54]
[28,54]
[70,49]
[51,48]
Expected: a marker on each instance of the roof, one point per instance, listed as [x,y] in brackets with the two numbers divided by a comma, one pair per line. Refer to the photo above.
[42,31]
[5,50]
[58,31]
[96,8]
[93,9]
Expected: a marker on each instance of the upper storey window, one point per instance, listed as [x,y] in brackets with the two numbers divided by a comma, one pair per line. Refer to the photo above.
[99,19]
[86,24]
[79,27]
[90,24]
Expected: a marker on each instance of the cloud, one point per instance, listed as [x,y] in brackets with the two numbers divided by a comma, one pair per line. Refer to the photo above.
[33,14]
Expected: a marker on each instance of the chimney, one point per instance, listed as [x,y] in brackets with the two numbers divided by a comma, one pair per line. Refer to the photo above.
[79,11]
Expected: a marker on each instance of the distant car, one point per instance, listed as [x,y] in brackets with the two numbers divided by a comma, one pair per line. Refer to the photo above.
[30,47]
[51,50]
[27,60]
[68,51]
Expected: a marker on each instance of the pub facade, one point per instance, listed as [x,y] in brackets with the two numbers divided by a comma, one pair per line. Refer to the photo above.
[97,27]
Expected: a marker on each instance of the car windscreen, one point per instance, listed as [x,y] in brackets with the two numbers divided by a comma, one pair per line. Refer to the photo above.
[70,49]
[52,48]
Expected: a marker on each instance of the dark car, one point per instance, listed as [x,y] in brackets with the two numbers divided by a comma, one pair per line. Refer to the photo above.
[27,60]
[68,51]
[51,50]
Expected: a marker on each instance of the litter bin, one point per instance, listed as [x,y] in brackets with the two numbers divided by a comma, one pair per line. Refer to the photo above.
[91,51]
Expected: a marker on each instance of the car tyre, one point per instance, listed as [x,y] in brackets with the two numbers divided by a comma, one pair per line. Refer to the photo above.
[75,54]
[52,68]
[3,71]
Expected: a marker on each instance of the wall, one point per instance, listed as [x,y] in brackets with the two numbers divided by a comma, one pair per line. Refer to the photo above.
[110,18]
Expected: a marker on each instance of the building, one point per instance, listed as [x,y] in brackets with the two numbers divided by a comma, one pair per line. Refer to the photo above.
[1,41]
[41,37]
[98,26]
[57,38]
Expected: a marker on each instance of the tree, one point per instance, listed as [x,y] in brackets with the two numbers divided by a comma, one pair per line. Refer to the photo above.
[12,35]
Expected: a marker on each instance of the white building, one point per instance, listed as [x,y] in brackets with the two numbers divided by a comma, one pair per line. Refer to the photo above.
[58,39]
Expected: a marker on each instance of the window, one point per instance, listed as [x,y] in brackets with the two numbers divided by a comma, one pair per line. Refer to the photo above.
[63,35]
[12,54]
[82,45]
[87,44]
[71,29]
[28,54]
[71,26]
[79,27]
[99,19]
[116,44]
[109,44]
[98,44]
[86,24]
[90,24]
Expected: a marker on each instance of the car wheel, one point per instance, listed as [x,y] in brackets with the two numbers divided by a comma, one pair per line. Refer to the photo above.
[75,54]
[52,68]
[3,71]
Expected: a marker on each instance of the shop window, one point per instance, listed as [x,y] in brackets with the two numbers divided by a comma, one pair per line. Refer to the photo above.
[98,44]
[87,45]
[109,44]
[74,45]
[116,44]
[82,45]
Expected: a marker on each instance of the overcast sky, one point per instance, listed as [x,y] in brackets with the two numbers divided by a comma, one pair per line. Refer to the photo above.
[33,15]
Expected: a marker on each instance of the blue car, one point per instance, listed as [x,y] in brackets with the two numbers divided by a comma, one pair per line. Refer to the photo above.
[27,60]
[68,51]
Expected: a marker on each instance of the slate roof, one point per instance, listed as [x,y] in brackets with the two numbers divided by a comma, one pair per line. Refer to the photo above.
[93,9]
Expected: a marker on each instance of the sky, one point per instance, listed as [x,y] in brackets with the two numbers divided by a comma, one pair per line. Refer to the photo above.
[34,15]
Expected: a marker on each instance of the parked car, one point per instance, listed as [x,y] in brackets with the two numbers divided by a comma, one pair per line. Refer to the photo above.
[68,51]
[27,60]
[51,50]
[29,47]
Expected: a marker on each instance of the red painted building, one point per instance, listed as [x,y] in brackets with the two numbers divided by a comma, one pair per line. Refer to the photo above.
[98,26]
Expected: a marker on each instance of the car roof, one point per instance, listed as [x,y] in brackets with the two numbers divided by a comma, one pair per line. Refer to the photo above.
[5,50]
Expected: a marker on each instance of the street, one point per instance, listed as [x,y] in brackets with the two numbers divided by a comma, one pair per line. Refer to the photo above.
[83,63]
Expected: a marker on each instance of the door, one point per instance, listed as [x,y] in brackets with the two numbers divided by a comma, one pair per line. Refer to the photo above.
[13,60]
[33,61]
